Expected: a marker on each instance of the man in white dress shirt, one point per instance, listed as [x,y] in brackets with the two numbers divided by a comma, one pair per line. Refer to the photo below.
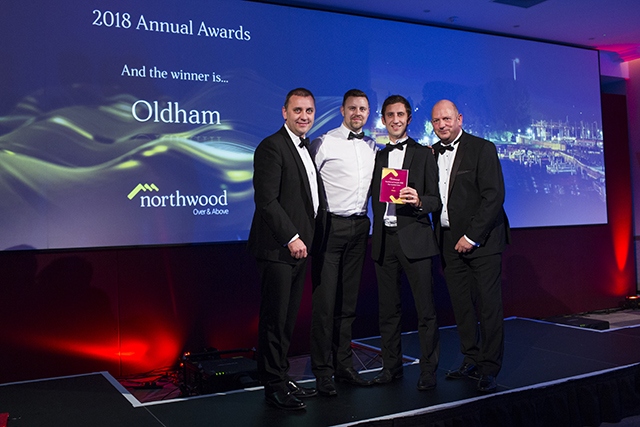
[345,159]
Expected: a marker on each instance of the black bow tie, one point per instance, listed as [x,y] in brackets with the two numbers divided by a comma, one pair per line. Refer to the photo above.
[399,146]
[304,143]
[446,147]
[353,135]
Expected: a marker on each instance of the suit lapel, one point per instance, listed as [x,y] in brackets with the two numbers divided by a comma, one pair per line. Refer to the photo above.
[382,161]
[296,156]
[408,156]
[436,150]
[462,148]
[384,158]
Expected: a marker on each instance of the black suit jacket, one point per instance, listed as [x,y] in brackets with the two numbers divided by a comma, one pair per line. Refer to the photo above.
[476,196]
[415,232]
[282,196]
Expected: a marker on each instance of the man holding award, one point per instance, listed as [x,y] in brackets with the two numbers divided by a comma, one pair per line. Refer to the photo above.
[404,191]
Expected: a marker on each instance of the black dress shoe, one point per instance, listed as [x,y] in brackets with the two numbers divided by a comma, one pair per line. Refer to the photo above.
[283,399]
[427,381]
[386,376]
[487,384]
[352,376]
[300,392]
[467,370]
[326,386]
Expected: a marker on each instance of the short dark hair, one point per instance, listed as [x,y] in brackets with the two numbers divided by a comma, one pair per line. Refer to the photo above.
[298,92]
[394,99]
[354,93]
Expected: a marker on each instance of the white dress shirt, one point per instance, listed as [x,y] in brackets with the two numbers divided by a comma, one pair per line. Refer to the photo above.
[445,163]
[346,167]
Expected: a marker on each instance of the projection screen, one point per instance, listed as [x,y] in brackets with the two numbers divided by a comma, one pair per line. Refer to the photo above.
[134,123]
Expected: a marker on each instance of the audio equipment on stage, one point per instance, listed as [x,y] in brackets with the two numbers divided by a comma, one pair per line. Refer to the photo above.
[216,371]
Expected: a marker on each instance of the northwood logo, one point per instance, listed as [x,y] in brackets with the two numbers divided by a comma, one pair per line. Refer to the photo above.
[142,187]
[177,199]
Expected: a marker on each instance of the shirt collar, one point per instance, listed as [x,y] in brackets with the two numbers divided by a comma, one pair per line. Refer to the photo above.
[399,141]
[295,138]
[344,131]
[457,138]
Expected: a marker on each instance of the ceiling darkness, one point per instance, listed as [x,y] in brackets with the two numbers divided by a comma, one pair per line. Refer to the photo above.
[607,25]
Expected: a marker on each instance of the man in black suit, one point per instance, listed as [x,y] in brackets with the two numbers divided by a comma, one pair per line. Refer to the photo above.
[473,230]
[289,202]
[403,239]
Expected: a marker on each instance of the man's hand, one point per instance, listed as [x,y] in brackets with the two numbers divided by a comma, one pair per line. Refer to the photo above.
[463,246]
[410,197]
[298,249]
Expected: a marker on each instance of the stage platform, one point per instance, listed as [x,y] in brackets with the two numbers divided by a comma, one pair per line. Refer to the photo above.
[553,375]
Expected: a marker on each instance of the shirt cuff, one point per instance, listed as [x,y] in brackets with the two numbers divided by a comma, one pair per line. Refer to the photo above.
[294,238]
[471,241]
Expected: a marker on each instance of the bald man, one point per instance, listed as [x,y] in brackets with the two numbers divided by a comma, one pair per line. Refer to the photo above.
[472,231]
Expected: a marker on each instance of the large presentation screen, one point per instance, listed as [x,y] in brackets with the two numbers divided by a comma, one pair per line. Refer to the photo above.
[135,123]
